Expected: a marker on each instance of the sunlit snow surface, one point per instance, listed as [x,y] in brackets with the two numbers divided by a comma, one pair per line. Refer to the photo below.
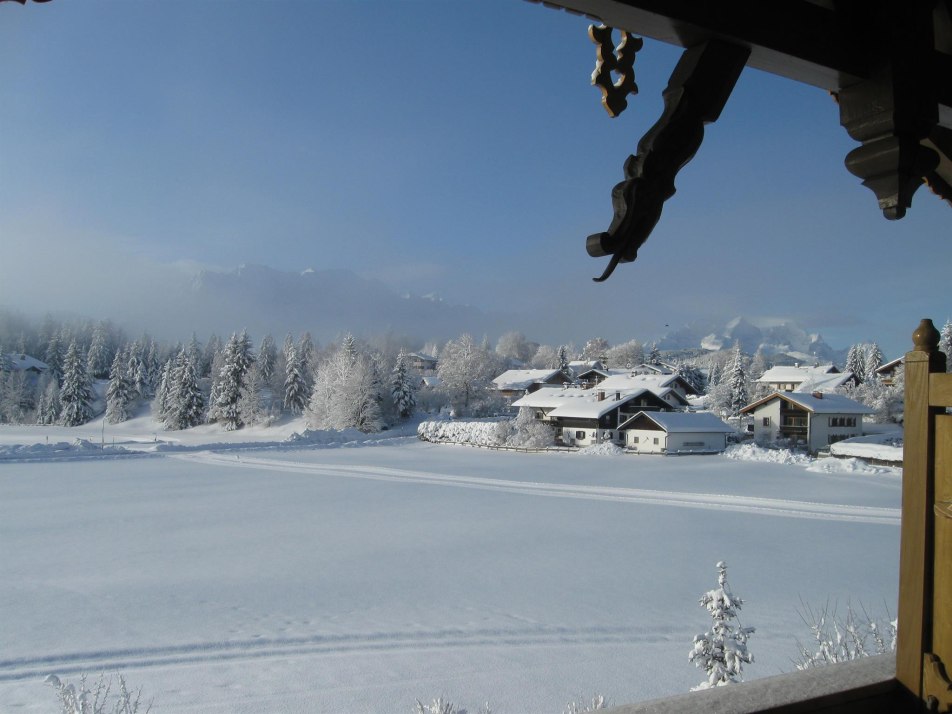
[299,577]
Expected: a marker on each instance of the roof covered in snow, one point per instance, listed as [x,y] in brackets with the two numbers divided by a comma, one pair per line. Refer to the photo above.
[514,379]
[591,408]
[794,373]
[19,361]
[822,404]
[691,422]
[550,397]
[825,382]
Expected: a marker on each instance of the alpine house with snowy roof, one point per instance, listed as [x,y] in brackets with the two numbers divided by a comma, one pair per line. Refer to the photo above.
[813,421]
[674,433]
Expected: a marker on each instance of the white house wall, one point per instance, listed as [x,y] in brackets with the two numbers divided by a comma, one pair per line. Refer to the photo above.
[820,429]
[580,436]
[643,440]
[767,434]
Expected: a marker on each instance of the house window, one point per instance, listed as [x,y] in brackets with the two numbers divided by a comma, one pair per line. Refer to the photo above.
[635,439]
[580,435]
[766,421]
[655,440]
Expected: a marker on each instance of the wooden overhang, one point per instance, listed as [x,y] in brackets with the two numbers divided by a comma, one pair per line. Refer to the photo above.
[888,63]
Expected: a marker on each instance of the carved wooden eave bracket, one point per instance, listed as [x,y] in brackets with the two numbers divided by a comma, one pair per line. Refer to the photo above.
[888,63]
[698,89]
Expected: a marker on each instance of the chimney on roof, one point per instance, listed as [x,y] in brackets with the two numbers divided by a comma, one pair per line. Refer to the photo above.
[818,395]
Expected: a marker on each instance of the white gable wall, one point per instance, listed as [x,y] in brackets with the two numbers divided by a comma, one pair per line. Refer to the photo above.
[767,422]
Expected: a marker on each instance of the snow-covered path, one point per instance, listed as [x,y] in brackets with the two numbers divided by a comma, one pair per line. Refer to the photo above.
[737,504]
[360,579]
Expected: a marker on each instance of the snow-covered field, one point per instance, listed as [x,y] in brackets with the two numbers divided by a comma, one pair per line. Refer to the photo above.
[298,577]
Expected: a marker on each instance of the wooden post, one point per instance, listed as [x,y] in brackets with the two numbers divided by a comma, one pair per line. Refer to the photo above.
[918,500]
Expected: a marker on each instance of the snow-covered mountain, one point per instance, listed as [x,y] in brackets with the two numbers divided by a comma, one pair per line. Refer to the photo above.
[325,302]
[774,336]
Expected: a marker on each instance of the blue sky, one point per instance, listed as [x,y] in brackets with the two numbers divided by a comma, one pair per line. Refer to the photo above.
[448,147]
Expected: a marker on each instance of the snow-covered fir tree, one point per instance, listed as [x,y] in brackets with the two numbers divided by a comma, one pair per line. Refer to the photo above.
[401,387]
[267,357]
[872,361]
[738,382]
[98,358]
[722,651]
[53,356]
[76,395]
[856,361]
[564,362]
[119,392]
[164,387]
[654,356]
[251,403]
[307,358]
[184,400]
[210,357]
[692,375]
[48,405]
[237,359]
[295,386]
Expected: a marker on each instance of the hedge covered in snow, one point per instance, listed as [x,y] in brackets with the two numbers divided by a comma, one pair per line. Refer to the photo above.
[479,433]
[522,432]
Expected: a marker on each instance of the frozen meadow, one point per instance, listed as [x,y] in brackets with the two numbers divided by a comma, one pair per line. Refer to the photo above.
[237,572]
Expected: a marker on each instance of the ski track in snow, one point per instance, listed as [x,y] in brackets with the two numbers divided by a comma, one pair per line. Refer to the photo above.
[274,648]
[738,504]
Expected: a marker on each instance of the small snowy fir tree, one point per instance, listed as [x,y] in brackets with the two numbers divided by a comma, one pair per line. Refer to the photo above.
[163,389]
[251,403]
[54,356]
[48,406]
[267,357]
[401,387]
[721,651]
[872,361]
[98,356]
[76,395]
[237,360]
[119,391]
[855,361]
[184,400]
[564,362]
[654,356]
[737,376]
[295,386]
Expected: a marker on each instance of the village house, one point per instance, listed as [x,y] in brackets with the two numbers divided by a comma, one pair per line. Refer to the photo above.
[421,363]
[19,362]
[594,418]
[812,421]
[670,387]
[887,373]
[515,383]
[674,433]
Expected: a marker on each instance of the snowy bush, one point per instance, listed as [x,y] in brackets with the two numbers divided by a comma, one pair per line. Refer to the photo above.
[722,650]
[83,700]
[598,702]
[441,706]
[525,431]
[835,640]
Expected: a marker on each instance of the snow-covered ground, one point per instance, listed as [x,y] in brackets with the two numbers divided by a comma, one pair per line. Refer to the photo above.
[262,575]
